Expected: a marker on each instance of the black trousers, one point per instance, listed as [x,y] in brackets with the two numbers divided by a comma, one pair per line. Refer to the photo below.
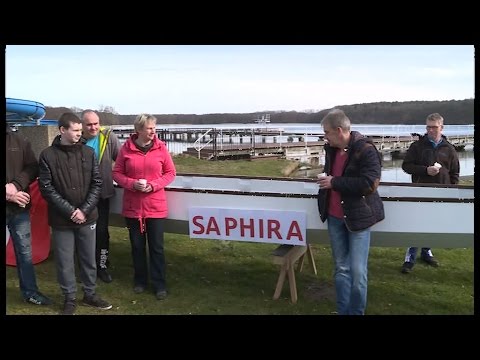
[103,236]
[153,265]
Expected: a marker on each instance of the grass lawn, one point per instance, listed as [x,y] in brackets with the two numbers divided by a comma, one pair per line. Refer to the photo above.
[212,277]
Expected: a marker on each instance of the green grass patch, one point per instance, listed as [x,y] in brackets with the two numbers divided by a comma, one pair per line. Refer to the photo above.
[212,277]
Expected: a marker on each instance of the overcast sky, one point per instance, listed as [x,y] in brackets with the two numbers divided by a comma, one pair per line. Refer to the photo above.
[201,79]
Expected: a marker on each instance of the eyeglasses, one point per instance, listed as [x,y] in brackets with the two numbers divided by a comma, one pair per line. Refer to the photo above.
[432,127]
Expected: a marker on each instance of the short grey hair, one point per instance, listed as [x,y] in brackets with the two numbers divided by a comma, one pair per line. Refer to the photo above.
[435,117]
[336,118]
[142,119]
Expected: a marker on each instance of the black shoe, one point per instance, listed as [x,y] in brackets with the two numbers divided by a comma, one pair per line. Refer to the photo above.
[96,302]
[407,267]
[69,307]
[39,299]
[430,260]
[138,289]
[104,276]
[161,294]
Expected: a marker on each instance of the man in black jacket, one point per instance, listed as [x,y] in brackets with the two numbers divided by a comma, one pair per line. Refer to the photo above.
[70,183]
[432,160]
[21,171]
[349,201]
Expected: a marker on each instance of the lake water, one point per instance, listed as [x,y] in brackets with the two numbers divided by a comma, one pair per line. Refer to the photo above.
[314,129]
[392,170]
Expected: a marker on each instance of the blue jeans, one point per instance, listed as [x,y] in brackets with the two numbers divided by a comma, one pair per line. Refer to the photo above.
[19,227]
[350,256]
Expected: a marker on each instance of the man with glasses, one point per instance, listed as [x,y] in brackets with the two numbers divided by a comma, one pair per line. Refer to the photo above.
[430,159]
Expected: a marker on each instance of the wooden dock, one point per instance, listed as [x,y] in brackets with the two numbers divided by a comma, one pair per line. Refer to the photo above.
[261,143]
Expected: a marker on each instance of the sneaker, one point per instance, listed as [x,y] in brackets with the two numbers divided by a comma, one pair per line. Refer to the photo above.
[161,295]
[96,302]
[430,260]
[138,289]
[69,307]
[104,276]
[407,267]
[39,299]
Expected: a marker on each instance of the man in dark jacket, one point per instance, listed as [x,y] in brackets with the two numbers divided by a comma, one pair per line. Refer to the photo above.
[349,201]
[433,160]
[21,171]
[70,183]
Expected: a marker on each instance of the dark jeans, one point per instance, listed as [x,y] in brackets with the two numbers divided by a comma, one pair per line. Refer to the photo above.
[103,236]
[411,255]
[154,235]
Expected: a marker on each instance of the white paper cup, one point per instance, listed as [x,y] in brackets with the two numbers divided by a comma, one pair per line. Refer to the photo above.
[321,175]
[143,182]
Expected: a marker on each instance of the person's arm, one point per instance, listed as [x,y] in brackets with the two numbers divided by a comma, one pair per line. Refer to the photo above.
[169,172]
[115,145]
[30,168]
[48,191]
[95,187]
[119,172]
[455,168]
[410,163]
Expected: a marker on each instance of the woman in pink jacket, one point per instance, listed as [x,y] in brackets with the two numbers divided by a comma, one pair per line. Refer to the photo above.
[143,168]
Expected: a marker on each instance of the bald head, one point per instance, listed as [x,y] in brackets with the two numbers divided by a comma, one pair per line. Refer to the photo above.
[91,124]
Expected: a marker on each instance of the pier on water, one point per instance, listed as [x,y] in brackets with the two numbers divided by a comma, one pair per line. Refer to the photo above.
[263,143]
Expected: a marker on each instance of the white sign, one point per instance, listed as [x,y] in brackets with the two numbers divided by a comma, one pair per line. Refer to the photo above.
[267,226]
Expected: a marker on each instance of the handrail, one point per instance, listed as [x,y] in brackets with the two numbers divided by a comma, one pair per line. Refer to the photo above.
[196,144]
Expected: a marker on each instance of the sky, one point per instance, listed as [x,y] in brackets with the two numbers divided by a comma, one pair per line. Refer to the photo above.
[206,79]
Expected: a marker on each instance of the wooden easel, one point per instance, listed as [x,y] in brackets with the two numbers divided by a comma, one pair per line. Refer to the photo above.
[287,256]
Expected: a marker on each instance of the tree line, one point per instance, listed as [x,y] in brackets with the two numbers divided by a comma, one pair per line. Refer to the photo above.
[455,112]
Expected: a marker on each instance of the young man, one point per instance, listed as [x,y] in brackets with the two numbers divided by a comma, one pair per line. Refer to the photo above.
[430,159]
[106,146]
[348,199]
[21,171]
[70,183]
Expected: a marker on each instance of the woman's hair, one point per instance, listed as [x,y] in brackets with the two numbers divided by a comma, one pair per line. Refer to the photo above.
[142,119]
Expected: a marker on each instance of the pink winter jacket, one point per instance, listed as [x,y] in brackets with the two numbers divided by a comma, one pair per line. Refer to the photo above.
[156,166]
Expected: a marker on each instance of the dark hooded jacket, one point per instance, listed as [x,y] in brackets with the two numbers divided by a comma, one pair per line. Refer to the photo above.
[21,168]
[361,203]
[421,154]
[69,178]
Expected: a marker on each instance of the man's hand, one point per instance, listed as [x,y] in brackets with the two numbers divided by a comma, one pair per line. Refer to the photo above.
[10,191]
[433,170]
[78,216]
[21,198]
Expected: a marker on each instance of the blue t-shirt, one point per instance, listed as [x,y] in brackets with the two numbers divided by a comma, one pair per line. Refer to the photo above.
[93,143]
